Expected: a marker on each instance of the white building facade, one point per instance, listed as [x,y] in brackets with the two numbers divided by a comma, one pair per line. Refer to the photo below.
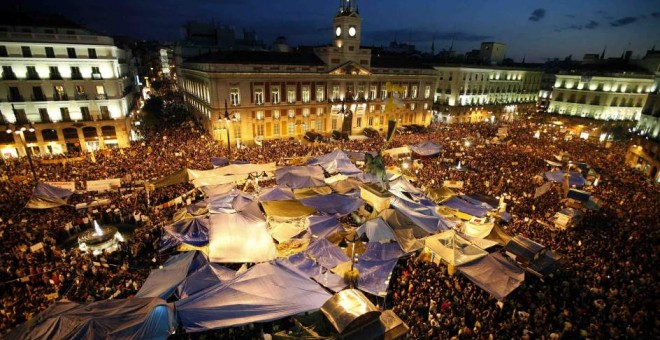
[72,86]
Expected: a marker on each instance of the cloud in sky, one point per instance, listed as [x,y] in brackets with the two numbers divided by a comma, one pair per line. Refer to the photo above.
[623,21]
[537,15]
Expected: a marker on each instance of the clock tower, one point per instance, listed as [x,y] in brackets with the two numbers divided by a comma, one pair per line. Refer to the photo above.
[347,27]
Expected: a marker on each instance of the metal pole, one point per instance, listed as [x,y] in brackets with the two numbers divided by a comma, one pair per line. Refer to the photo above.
[228,143]
[28,152]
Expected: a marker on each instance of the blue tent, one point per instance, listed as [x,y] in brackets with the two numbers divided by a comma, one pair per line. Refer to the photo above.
[336,162]
[207,276]
[265,292]
[192,231]
[276,194]
[219,161]
[46,196]
[466,207]
[162,282]
[360,155]
[136,318]
[427,148]
[314,271]
[296,177]
[382,251]
[574,179]
[333,204]
[326,254]
[421,215]
[376,265]
[322,226]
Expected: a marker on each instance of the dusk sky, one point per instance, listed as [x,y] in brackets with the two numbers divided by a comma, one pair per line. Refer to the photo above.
[531,28]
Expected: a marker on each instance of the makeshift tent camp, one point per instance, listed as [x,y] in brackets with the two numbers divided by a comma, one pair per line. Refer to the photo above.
[483,200]
[192,231]
[397,152]
[477,230]
[231,202]
[452,248]
[397,221]
[162,282]
[313,270]
[228,174]
[333,204]
[377,231]
[494,274]
[286,218]
[178,177]
[219,161]
[422,216]
[287,208]
[497,234]
[574,179]
[207,276]
[523,249]
[240,237]
[427,148]
[440,195]
[136,318]
[326,254]
[301,193]
[348,310]
[265,292]
[322,226]
[46,196]
[336,162]
[219,189]
[403,185]
[275,194]
[300,176]
[376,265]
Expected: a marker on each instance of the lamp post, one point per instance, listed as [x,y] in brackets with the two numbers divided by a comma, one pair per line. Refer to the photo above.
[20,132]
[228,119]
[345,112]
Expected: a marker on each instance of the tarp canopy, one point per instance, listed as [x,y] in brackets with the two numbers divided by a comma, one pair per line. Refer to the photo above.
[466,207]
[398,221]
[422,216]
[377,230]
[228,174]
[427,148]
[301,193]
[178,177]
[545,264]
[482,199]
[283,229]
[300,176]
[376,265]
[240,237]
[333,204]
[396,152]
[219,161]
[477,230]
[323,226]
[440,195]
[136,318]
[313,270]
[275,194]
[523,248]
[265,292]
[359,155]
[287,208]
[46,196]
[336,162]
[494,274]
[218,189]
[207,276]
[497,234]
[349,310]
[578,195]
[162,282]
[453,249]
[231,202]
[326,254]
[403,185]
[192,231]
[574,179]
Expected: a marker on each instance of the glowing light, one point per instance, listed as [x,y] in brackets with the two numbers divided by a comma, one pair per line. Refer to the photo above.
[97,228]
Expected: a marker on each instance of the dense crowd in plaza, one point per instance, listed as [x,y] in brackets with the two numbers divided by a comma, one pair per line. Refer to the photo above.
[604,289]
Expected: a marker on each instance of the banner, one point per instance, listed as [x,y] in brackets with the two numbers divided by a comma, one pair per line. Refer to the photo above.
[453,184]
[71,186]
[36,247]
[104,184]
[542,189]
[61,160]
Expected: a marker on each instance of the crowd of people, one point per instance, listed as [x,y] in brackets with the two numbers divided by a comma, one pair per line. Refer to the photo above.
[604,289]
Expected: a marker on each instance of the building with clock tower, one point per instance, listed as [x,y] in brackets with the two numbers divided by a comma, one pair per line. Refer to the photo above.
[347,27]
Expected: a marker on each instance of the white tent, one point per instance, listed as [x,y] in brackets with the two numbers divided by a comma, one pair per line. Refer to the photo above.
[240,237]
[478,230]
[452,248]
[229,174]
[494,274]
[377,230]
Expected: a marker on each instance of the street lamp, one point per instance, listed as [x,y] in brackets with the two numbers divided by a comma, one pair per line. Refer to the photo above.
[228,119]
[20,131]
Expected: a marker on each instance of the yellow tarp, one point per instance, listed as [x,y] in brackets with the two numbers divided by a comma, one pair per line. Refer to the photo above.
[287,208]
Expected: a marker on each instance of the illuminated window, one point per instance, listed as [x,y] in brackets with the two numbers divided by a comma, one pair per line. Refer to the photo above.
[319,125]
[413,93]
[276,114]
[335,92]
[258,96]
[234,98]
[320,94]
[275,95]
[305,112]
[427,90]
[291,113]
[260,115]
[305,94]
[358,122]
[291,95]
[291,128]
[276,129]
[320,111]
[372,92]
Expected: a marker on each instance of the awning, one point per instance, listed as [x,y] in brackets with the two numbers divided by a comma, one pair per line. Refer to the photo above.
[494,274]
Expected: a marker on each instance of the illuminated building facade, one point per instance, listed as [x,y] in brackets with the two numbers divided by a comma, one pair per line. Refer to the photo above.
[285,94]
[72,86]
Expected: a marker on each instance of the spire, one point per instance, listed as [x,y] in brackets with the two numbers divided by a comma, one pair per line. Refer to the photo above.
[602,55]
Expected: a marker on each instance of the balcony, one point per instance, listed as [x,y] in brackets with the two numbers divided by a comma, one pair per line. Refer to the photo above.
[76,76]
[105,116]
[101,96]
[60,97]
[55,76]
[39,97]
[32,76]
[97,76]
[81,96]
[8,76]
[15,98]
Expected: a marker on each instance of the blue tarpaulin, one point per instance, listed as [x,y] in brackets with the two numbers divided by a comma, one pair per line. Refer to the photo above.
[382,251]
[376,265]
[192,231]
[466,207]
[162,282]
[46,196]
[296,177]
[333,204]
[136,318]
[505,216]
[427,148]
[265,292]
[207,276]
[336,162]
[326,254]
[574,179]
[322,226]
[313,270]
[219,161]
[276,194]
[421,215]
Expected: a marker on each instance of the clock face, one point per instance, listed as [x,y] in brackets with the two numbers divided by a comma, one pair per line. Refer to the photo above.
[352,31]
[338,31]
